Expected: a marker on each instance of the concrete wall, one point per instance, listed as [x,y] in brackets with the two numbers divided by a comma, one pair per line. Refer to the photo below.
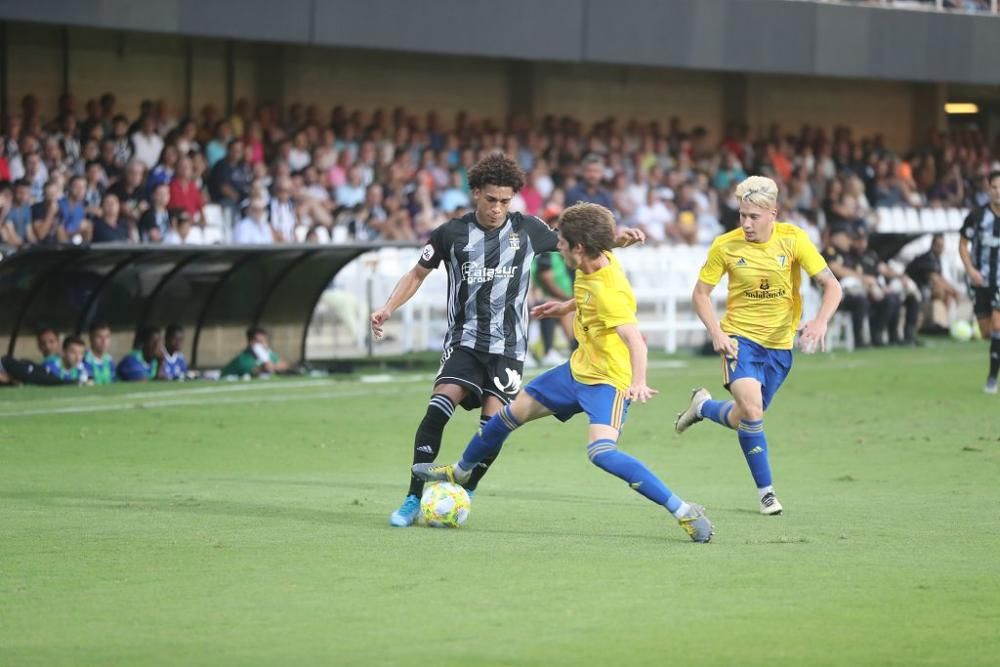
[766,36]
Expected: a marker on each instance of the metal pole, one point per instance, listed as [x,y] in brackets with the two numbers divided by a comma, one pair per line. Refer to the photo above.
[65,60]
[188,76]
[3,72]
[369,289]
[230,77]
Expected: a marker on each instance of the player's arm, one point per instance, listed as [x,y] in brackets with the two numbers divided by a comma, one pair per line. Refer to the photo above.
[701,300]
[967,234]
[553,309]
[632,337]
[629,236]
[814,331]
[401,293]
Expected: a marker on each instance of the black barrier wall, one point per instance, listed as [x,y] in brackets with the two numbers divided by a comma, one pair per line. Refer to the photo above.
[214,292]
[772,36]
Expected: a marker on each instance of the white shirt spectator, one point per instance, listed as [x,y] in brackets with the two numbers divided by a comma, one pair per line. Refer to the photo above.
[298,159]
[283,218]
[147,148]
[654,218]
[250,231]
[194,237]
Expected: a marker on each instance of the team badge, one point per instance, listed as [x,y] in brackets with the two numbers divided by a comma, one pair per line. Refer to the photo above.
[514,240]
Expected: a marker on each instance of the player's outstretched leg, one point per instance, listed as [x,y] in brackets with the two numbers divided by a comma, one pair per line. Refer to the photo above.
[486,443]
[702,407]
[991,380]
[482,467]
[604,453]
[426,445]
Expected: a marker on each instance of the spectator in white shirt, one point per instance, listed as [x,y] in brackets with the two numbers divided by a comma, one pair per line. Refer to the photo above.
[183,231]
[147,143]
[254,229]
[282,210]
[654,217]
[298,155]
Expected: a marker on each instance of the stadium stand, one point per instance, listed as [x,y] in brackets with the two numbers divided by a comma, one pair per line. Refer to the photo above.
[358,176]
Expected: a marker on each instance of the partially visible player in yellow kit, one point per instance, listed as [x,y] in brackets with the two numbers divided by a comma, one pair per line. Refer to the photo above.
[764,260]
[604,375]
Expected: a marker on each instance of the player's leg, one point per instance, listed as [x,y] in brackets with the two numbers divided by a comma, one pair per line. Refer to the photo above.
[457,383]
[607,408]
[994,337]
[552,392]
[748,417]
[491,406]
[486,443]
[500,383]
[703,406]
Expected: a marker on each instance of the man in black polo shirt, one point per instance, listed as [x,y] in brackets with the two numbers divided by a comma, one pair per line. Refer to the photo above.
[887,291]
[979,249]
[845,266]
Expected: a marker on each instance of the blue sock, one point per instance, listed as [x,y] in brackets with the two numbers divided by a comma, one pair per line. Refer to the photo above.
[717,411]
[489,438]
[753,442]
[605,455]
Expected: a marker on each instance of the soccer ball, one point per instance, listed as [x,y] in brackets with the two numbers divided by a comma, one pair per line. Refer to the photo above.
[445,505]
[961,330]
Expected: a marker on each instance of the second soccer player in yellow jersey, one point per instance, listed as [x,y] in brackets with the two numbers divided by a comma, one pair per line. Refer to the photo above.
[764,260]
[605,374]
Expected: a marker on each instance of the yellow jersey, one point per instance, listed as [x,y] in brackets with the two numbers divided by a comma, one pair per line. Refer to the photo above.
[764,304]
[604,301]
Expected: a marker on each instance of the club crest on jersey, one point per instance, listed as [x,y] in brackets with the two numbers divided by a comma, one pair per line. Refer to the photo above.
[475,274]
[513,384]
[514,240]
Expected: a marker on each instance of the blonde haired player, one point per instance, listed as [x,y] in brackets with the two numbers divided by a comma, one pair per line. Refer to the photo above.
[764,261]
[605,374]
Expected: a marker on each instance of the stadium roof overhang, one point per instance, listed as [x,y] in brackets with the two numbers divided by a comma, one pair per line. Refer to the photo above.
[215,292]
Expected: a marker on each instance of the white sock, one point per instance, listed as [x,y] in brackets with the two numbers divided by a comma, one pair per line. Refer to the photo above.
[764,491]
[682,510]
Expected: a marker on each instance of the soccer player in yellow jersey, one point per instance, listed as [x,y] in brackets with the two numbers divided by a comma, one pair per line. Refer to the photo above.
[604,375]
[764,260]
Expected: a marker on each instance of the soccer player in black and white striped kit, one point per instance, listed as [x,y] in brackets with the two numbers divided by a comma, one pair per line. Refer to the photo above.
[979,249]
[487,254]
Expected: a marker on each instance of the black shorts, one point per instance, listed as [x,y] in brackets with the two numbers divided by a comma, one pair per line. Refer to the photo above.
[985,300]
[480,373]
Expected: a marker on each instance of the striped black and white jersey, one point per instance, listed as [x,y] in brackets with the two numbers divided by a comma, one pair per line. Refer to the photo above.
[489,272]
[982,229]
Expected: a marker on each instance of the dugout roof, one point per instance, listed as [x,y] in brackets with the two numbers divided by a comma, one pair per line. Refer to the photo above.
[215,292]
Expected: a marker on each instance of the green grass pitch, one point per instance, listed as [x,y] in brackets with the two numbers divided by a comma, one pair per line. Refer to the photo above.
[247,524]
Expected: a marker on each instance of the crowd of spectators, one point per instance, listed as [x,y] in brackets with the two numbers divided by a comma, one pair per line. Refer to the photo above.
[97,175]
[274,176]
[155,355]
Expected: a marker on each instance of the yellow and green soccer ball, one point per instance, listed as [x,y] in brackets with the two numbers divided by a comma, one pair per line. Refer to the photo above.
[445,505]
